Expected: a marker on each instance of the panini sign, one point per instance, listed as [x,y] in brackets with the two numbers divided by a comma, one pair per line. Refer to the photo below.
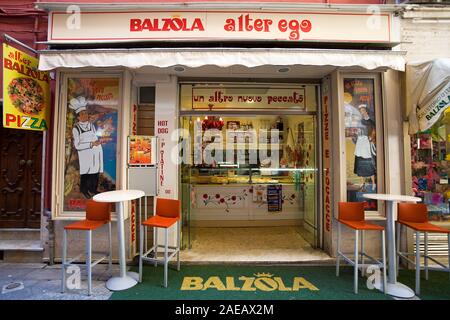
[82,27]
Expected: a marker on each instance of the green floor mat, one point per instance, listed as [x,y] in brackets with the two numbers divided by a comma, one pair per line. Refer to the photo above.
[210,282]
[437,287]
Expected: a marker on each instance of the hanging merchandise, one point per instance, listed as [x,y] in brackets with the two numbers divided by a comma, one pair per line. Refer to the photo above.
[212,123]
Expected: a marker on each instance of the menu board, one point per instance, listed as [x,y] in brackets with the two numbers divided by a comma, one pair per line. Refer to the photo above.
[274,198]
[141,150]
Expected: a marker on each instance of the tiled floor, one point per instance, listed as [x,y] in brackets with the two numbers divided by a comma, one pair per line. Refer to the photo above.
[255,244]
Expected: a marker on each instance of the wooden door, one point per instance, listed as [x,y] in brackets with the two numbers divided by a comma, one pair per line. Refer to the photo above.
[20,178]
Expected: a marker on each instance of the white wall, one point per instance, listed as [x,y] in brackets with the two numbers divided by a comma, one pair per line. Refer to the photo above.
[166,122]
[425,41]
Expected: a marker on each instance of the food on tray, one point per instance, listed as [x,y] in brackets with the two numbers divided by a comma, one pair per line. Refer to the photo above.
[26,95]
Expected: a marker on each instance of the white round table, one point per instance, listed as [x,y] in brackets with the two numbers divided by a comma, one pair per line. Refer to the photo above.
[394,288]
[126,279]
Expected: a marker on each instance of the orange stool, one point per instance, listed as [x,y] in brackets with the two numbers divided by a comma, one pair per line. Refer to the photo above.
[351,214]
[415,216]
[167,214]
[97,215]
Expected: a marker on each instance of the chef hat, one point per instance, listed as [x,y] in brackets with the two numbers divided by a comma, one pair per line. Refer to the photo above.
[362,106]
[78,104]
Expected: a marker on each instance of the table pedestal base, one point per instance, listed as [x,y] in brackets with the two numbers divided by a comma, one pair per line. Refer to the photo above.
[398,290]
[122,283]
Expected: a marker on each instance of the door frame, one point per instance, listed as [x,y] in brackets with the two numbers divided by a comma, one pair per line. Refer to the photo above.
[42,184]
[318,233]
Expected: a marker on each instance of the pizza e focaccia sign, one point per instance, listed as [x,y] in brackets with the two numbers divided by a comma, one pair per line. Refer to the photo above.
[85,27]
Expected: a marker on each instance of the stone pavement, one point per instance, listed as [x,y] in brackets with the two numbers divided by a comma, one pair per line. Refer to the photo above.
[39,281]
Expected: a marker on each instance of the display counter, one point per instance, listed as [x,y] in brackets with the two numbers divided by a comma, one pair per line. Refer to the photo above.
[245,194]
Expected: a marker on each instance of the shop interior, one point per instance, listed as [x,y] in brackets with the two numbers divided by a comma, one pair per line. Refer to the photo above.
[249,186]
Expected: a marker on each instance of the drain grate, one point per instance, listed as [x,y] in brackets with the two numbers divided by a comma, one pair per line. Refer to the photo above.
[13,286]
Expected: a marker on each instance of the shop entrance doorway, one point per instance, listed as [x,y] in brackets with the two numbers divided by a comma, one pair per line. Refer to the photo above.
[249,186]
[20,178]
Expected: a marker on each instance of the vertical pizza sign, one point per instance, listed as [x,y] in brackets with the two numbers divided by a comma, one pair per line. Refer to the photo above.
[26,91]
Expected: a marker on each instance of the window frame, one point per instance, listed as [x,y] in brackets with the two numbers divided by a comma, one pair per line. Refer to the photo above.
[59,128]
[380,133]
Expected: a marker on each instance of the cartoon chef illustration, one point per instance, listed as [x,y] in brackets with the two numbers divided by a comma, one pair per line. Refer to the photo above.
[89,147]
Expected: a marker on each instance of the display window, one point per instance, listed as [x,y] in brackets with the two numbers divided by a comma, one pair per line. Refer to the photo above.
[362,139]
[250,164]
[430,167]
[90,119]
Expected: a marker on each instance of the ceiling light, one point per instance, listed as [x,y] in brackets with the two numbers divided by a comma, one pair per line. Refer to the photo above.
[179,69]
[284,70]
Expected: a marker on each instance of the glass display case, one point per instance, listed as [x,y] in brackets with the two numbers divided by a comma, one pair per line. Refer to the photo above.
[260,168]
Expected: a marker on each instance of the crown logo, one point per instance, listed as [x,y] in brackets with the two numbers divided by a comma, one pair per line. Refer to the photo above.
[262,274]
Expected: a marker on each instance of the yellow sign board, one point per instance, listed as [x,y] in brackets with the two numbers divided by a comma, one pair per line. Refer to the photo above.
[26,91]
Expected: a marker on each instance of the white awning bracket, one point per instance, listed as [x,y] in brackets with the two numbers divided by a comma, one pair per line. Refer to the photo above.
[222,57]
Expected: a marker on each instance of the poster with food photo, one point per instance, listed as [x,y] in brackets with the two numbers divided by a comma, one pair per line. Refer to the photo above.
[90,139]
[140,150]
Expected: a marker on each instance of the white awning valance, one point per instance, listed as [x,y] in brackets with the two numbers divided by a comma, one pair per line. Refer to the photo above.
[222,57]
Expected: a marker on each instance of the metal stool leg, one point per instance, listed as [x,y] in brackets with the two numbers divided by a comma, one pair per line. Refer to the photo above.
[355,272]
[141,250]
[383,249]
[178,244]
[417,263]
[166,261]
[110,246]
[89,260]
[398,230]
[362,253]
[426,255]
[448,243]
[338,249]
[156,245]
[64,257]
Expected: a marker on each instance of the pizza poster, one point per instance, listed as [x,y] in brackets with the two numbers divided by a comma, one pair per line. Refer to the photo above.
[26,91]
[140,150]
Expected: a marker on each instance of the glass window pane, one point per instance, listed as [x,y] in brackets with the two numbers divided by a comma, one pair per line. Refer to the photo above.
[430,167]
[90,139]
[360,139]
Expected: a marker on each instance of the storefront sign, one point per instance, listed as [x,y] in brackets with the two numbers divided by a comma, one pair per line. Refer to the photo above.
[248,98]
[326,156]
[429,113]
[327,202]
[134,119]
[26,91]
[257,282]
[219,25]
